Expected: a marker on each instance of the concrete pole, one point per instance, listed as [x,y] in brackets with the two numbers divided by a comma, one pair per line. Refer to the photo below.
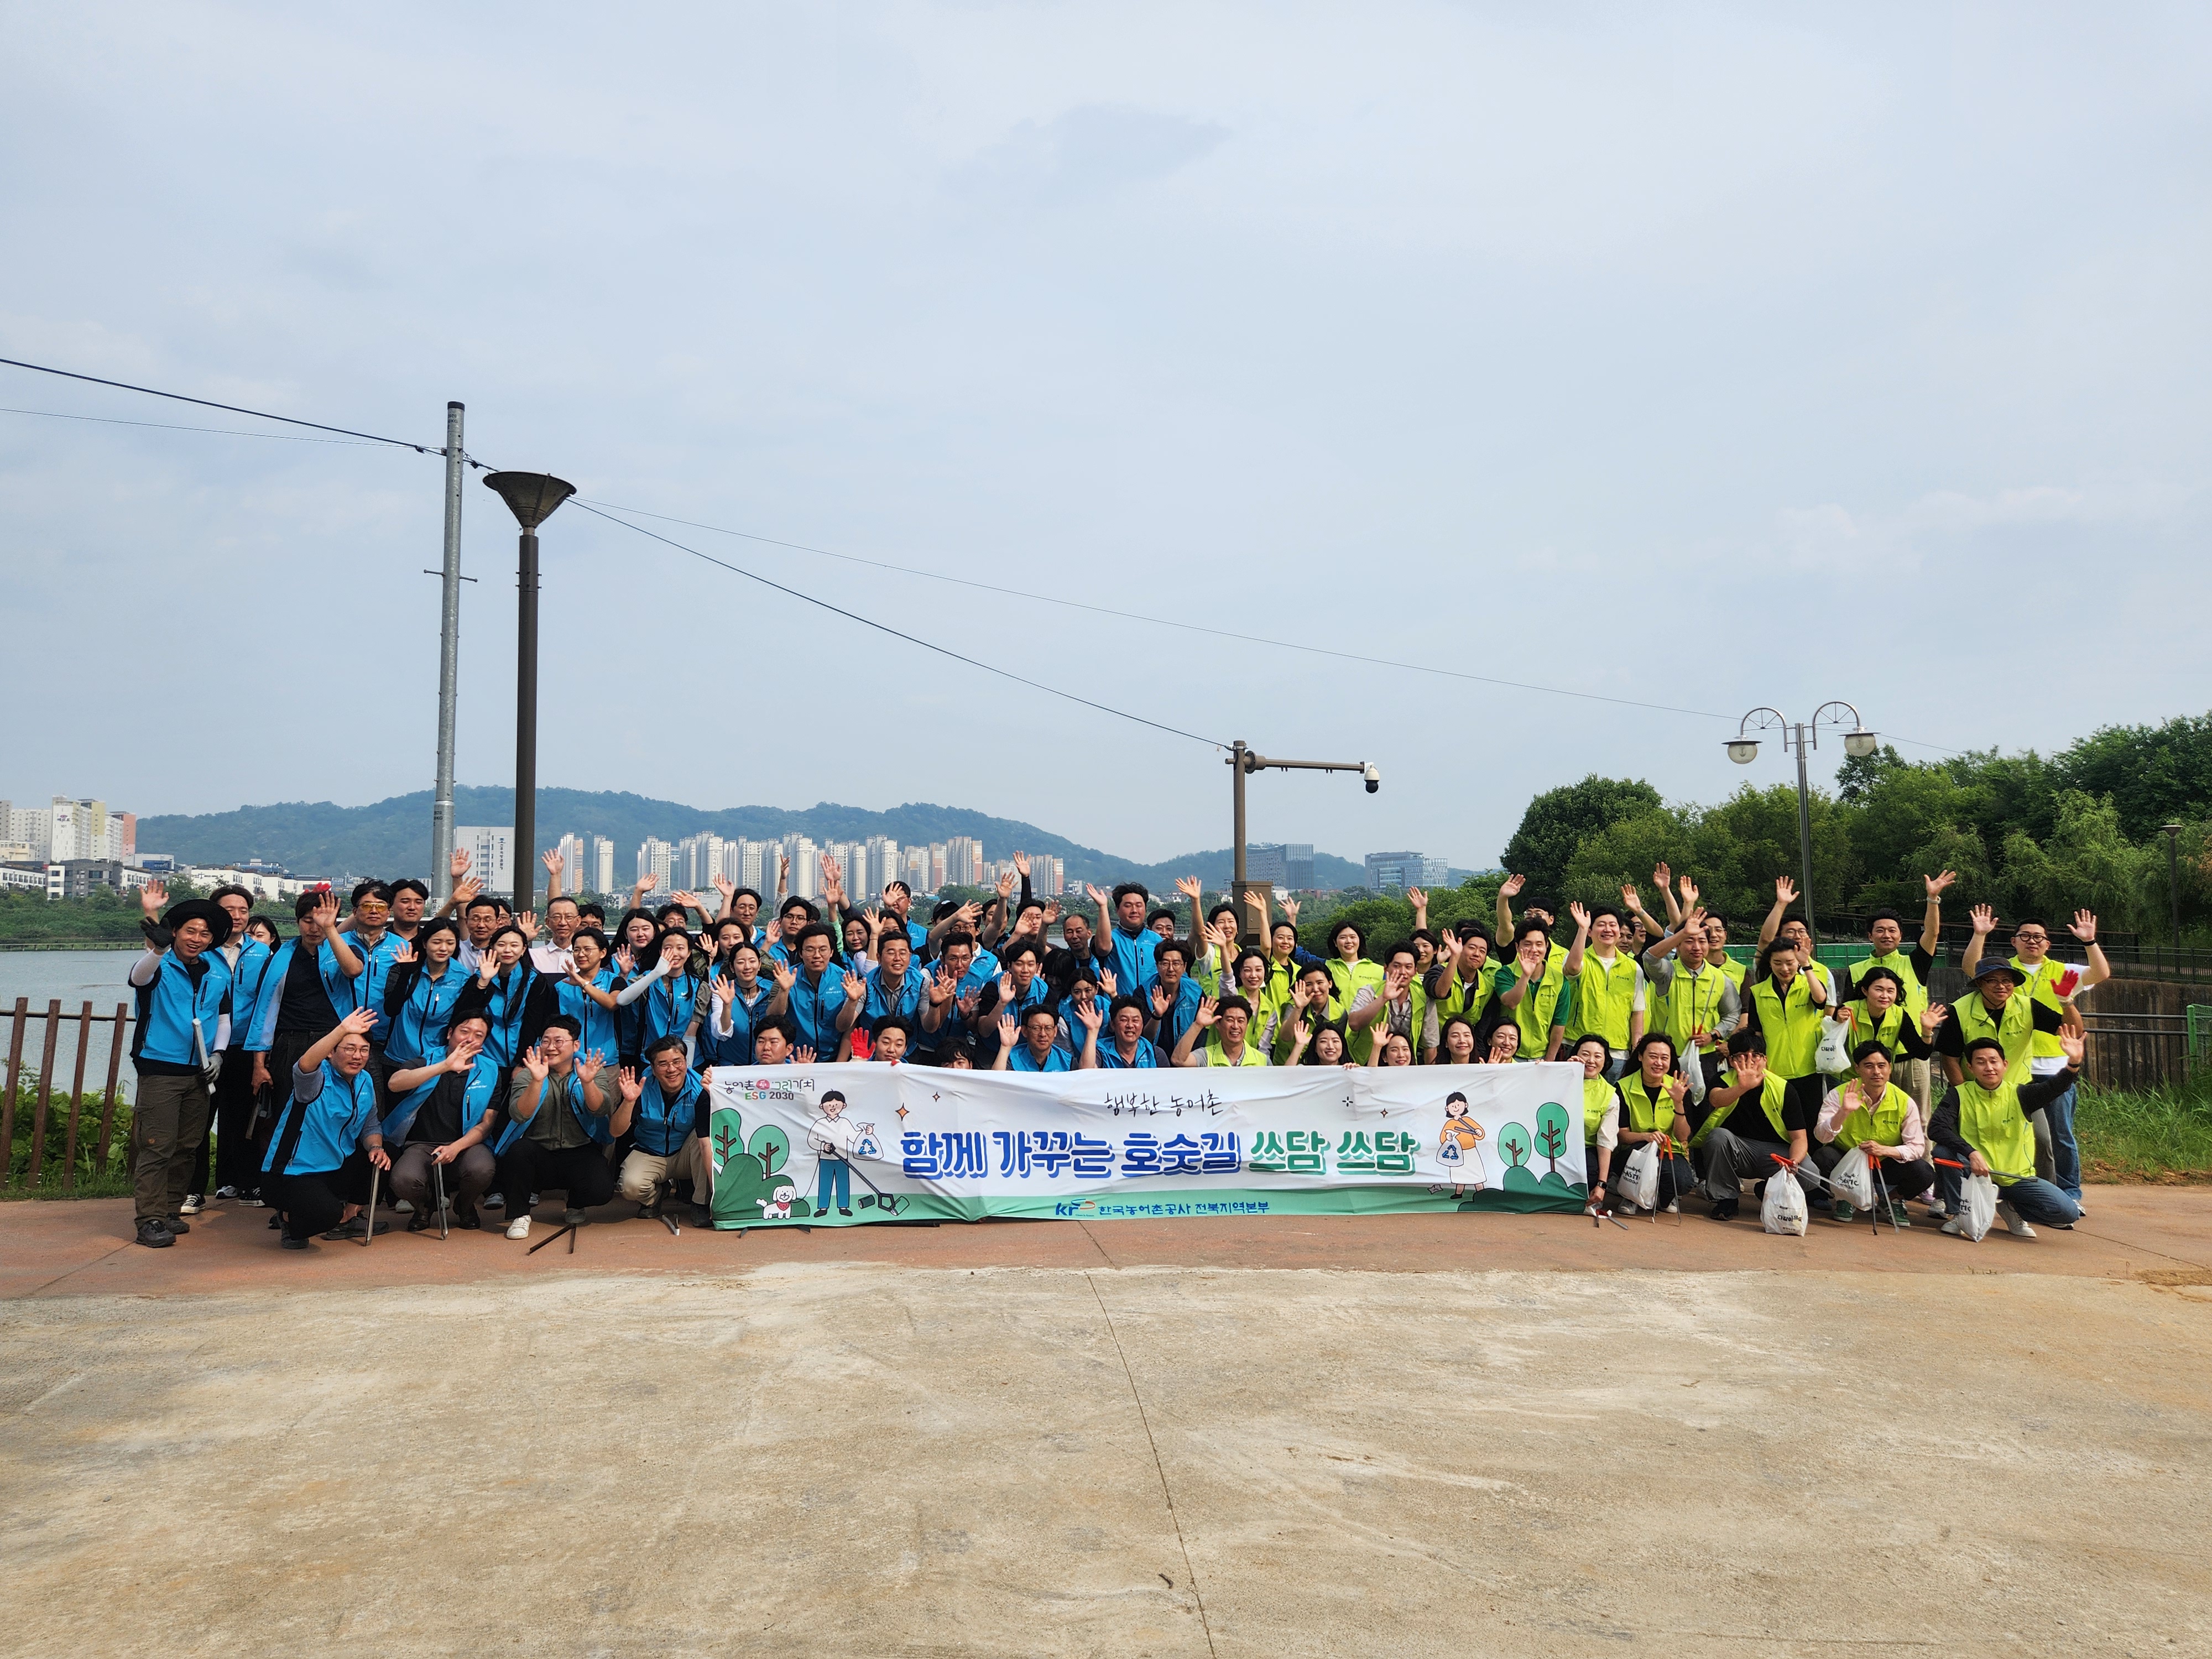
[449,653]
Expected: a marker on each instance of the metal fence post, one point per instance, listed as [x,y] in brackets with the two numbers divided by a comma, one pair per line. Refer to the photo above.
[46,1093]
[114,1072]
[15,1072]
[76,1097]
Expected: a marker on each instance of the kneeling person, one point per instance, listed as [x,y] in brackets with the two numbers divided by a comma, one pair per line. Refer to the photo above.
[665,1113]
[1985,1123]
[326,1138]
[1738,1142]
[1871,1113]
[442,1114]
[557,1131]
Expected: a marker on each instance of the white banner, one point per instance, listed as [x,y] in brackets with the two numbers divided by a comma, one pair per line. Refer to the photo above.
[831,1145]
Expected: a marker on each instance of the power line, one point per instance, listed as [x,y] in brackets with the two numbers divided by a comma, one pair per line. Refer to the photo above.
[229,409]
[911,639]
[168,426]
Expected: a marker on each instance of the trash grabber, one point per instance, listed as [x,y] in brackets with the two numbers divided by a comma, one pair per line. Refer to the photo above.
[438,1181]
[1888,1204]
[368,1232]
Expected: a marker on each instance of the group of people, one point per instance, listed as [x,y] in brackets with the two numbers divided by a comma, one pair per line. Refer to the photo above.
[471,1058]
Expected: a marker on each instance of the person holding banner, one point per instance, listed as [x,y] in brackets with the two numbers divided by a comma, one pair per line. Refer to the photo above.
[1601,1113]
[1129,1049]
[1031,1044]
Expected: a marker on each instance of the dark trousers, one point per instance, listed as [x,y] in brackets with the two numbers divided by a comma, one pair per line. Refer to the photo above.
[583,1172]
[315,1203]
[468,1177]
[234,1109]
[167,1120]
[1902,1178]
[1730,1159]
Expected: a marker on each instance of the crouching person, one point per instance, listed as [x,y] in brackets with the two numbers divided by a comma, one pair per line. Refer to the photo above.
[1755,1117]
[1600,1115]
[1983,1124]
[1873,1114]
[443,1114]
[326,1138]
[665,1113]
[557,1135]
[1651,1099]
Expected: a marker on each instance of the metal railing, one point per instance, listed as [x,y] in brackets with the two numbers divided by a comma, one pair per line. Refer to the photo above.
[20,1020]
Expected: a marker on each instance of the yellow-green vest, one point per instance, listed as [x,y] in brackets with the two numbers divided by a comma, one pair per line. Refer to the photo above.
[1886,1033]
[1883,1124]
[1534,1016]
[2043,983]
[2012,1029]
[1736,970]
[1791,1028]
[1597,1098]
[1991,1122]
[1687,1005]
[1362,1046]
[1771,1093]
[1604,999]
[1217,1055]
[1466,998]
[1648,1113]
[1898,962]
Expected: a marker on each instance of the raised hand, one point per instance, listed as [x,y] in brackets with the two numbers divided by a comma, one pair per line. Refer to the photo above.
[802,1055]
[1580,912]
[1206,1014]
[552,859]
[1255,898]
[968,914]
[630,1083]
[1785,890]
[1022,864]
[1160,1003]
[625,959]
[855,987]
[783,874]
[1511,886]
[588,1066]
[1190,887]
[725,886]
[1688,889]
[1932,1017]
[940,989]
[1289,909]
[1985,920]
[689,899]
[326,911]
[725,989]
[534,1062]
[1630,899]
[2071,1045]
[458,865]
[1087,1012]
[648,881]
[1936,884]
[1051,911]
[1300,998]
[152,897]
[1009,1029]
[465,888]
[1677,1086]
[2084,926]
[359,1023]
[781,970]
[1106,981]
[1005,883]
[527,921]
[1751,1068]
[1660,875]
[1417,898]
[1096,894]
[405,953]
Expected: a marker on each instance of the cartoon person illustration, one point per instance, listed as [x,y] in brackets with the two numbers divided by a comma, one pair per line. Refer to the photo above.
[830,1136]
[1459,1147]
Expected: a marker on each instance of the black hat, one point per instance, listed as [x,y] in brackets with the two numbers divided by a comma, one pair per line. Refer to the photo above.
[206,910]
[1993,965]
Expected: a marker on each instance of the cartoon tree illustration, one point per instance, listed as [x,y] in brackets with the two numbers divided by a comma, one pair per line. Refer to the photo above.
[772,1146]
[1517,1143]
[1553,1130]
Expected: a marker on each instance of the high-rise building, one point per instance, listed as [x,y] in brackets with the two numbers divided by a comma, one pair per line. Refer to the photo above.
[936,865]
[575,878]
[1048,876]
[757,868]
[491,855]
[964,861]
[28,827]
[125,844]
[603,865]
[1298,865]
[657,859]
[1402,869]
[1264,861]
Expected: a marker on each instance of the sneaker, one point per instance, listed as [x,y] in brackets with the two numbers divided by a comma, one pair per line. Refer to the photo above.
[288,1242]
[571,1217]
[492,1200]
[226,1192]
[422,1221]
[179,1226]
[254,1202]
[1955,1227]
[193,1203]
[1935,1210]
[2013,1225]
[533,1200]
[1724,1209]
[1897,1214]
[519,1228]
[1673,1207]
[1843,1212]
[155,1234]
[402,1207]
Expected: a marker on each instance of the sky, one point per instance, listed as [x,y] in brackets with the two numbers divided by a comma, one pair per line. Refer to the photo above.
[1706,356]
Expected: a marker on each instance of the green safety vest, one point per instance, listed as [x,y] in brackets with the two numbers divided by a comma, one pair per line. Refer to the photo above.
[1315,1017]
[1597,1096]
[1648,1113]
[1534,1016]
[1469,1000]
[1770,1095]
[1361,1047]
[1604,998]
[1792,1028]
[1734,970]
[1993,1124]
[1690,1002]
[1886,1033]
[1217,1055]
[2012,1029]
[1884,1124]
[1898,962]
[2043,984]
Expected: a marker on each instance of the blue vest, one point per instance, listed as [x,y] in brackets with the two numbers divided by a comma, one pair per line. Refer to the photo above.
[1180,1014]
[1071,1029]
[507,1002]
[341,987]
[667,1008]
[375,969]
[572,1088]
[334,1122]
[662,1125]
[1109,1056]
[737,1048]
[816,1007]
[476,1096]
[600,1035]
[1136,959]
[1055,1060]
[247,976]
[170,1003]
[903,997]
[419,1028]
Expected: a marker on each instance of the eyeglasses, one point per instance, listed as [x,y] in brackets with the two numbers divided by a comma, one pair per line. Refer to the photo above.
[2031,938]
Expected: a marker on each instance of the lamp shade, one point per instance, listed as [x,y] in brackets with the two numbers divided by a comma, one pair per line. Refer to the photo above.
[1743,751]
[531,496]
[1860,744]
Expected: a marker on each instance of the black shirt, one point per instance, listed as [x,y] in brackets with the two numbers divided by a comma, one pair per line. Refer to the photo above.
[438,1119]
[1923,966]
[305,1009]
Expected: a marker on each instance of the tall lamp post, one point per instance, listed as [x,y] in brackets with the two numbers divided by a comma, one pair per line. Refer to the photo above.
[2173,832]
[531,497]
[1242,762]
[1802,735]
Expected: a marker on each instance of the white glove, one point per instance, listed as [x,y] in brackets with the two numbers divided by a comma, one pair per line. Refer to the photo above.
[212,1070]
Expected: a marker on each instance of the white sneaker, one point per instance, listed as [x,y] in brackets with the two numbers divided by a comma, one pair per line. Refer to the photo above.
[1955,1228]
[402,1207]
[1673,1207]
[194,1202]
[2013,1225]
[519,1228]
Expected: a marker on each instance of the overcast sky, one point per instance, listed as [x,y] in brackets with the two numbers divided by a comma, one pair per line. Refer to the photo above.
[1709,359]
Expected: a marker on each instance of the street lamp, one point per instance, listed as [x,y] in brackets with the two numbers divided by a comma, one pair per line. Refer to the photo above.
[531,497]
[2173,879]
[1802,735]
[1244,761]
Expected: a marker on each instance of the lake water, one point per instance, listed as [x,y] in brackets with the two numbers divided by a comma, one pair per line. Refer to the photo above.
[72,976]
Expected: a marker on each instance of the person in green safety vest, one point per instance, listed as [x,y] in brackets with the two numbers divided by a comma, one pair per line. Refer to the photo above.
[1754,1117]
[1886,934]
[1991,1008]
[1871,1112]
[1508,934]
[1600,1115]
[1984,1124]
[2054,985]
[1689,997]
[1608,984]
[1350,972]
[1652,1096]
[1218,1035]
[1880,1015]
[1779,925]
[1534,992]
[1783,1005]
[1397,1007]
[1460,984]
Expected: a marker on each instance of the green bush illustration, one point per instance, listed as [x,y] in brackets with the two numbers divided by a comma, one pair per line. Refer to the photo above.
[752,1170]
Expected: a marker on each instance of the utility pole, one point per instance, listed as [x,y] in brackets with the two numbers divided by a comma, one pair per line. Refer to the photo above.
[531,497]
[1242,761]
[449,655]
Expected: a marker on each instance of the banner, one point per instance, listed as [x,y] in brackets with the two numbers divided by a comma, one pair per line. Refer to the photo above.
[836,1144]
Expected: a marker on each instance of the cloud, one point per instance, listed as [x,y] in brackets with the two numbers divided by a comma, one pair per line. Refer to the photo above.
[1081,155]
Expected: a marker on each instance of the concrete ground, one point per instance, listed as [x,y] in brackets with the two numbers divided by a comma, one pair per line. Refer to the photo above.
[1477,1434]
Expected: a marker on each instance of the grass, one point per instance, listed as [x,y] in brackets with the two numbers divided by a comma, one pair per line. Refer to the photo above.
[2162,1135]
[107,1177]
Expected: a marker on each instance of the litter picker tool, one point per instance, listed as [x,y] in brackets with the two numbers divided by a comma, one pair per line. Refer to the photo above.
[438,1181]
[568,1227]
[368,1232]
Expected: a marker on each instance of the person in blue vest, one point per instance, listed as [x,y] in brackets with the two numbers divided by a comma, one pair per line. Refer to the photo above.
[557,1135]
[819,1000]
[898,908]
[183,990]
[1026,1044]
[1021,987]
[896,985]
[312,982]
[1122,941]
[246,954]
[891,1040]
[1174,997]
[738,999]
[420,990]
[502,990]
[326,1138]
[665,1112]
[1125,1047]
[443,1111]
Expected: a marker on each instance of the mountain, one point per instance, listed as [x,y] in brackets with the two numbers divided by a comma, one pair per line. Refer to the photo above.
[393,837]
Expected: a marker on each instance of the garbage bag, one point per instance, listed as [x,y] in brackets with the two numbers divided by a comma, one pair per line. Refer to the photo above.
[1978,1206]
[1852,1179]
[1638,1182]
[1783,1210]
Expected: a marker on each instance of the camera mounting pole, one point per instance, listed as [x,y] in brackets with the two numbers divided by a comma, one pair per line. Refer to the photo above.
[1242,761]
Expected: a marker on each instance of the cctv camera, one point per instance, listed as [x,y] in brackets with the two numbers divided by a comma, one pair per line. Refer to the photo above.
[1373,774]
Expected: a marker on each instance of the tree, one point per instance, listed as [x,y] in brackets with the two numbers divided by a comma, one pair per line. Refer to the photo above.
[2153,774]
[1556,822]
[1857,778]
[1552,1129]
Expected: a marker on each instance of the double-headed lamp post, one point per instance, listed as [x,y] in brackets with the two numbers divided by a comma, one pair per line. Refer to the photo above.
[1242,762]
[1802,735]
[531,497]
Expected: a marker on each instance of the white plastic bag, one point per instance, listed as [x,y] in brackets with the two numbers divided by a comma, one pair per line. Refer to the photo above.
[1833,1055]
[1978,1206]
[1782,1209]
[1638,1183]
[1852,1179]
